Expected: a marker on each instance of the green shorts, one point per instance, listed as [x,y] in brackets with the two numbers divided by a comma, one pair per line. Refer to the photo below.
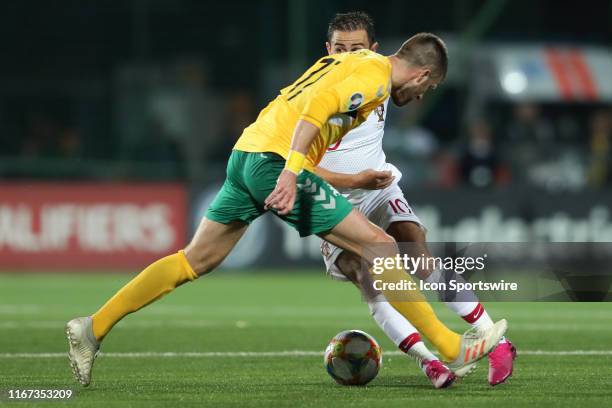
[251,177]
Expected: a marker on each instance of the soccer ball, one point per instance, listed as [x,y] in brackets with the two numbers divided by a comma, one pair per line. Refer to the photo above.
[353,357]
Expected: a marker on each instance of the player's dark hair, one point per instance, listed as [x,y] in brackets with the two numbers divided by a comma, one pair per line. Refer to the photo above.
[352,21]
[426,50]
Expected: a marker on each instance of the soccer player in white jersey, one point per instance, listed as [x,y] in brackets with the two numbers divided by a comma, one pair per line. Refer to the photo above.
[356,165]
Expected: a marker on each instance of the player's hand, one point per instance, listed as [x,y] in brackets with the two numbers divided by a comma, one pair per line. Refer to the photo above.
[373,180]
[283,196]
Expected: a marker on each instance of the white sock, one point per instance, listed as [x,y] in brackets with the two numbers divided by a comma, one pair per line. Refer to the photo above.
[403,334]
[477,317]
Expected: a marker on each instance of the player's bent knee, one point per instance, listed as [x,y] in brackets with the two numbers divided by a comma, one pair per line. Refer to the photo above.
[382,237]
[371,241]
[349,264]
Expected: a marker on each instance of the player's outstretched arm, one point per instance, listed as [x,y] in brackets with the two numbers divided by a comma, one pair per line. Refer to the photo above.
[369,179]
[283,196]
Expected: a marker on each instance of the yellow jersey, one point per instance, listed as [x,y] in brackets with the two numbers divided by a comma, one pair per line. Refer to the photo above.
[336,95]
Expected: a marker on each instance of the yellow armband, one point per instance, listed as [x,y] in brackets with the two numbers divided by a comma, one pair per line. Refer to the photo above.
[295,162]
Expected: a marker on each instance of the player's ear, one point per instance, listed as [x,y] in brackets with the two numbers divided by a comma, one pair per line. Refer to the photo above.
[328,47]
[374,47]
[423,76]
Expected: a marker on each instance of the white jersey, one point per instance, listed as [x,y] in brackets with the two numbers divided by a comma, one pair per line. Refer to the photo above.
[360,149]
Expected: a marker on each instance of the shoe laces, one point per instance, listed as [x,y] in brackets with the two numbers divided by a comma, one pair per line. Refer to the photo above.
[472,334]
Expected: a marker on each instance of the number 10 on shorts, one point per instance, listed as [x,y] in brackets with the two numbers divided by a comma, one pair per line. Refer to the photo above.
[400,207]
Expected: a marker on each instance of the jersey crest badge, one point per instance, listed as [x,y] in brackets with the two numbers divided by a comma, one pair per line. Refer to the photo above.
[355,101]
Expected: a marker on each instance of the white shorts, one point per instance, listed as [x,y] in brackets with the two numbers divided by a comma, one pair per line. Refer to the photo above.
[382,207]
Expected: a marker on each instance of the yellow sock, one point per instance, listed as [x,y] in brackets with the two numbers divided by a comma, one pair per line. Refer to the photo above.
[413,306]
[155,281]
[423,318]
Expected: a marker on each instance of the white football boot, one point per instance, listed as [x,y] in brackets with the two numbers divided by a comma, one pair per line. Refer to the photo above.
[476,344]
[84,348]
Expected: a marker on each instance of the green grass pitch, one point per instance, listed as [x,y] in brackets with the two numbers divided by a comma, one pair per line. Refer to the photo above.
[274,312]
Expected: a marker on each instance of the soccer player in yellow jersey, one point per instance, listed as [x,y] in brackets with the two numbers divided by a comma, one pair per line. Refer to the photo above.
[271,168]
[358,168]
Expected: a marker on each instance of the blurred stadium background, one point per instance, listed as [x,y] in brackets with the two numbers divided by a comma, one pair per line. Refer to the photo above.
[117,117]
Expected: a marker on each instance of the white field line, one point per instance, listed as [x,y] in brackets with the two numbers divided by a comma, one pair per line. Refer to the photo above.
[290,353]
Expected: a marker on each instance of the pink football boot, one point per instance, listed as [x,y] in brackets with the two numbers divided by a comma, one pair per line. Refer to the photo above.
[501,360]
[439,374]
